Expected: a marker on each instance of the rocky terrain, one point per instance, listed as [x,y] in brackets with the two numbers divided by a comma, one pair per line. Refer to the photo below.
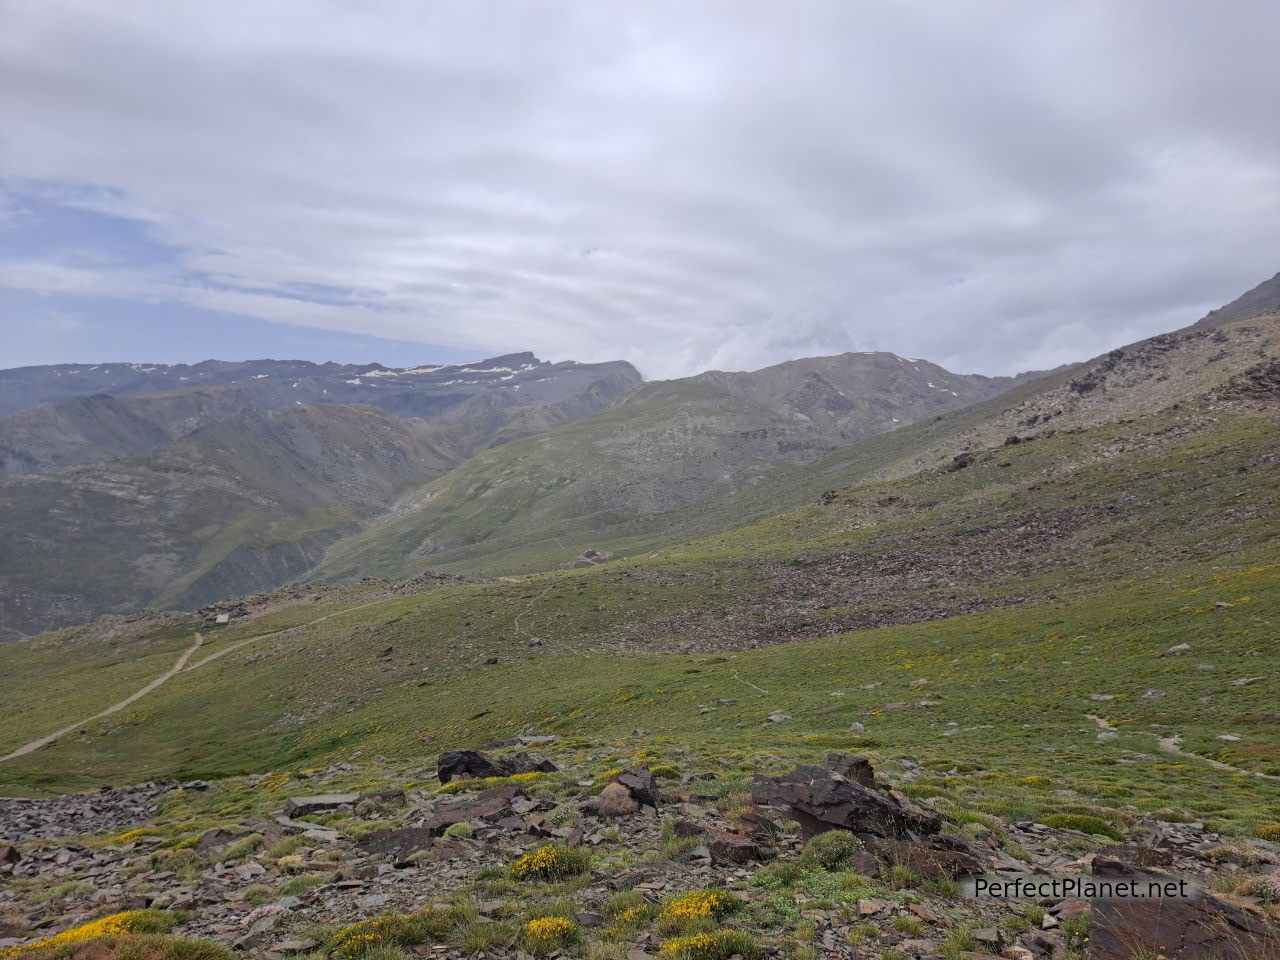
[498,854]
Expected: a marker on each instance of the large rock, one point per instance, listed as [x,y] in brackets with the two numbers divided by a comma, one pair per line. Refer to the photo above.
[439,816]
[320,803]
[1209,928]
[472,764]
[725,845]
[626,794]
[820,799]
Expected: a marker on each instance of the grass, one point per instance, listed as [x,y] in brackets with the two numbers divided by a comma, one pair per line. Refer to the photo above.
[1013,682]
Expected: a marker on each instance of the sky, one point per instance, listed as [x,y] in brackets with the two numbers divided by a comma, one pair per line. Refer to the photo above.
[995,185]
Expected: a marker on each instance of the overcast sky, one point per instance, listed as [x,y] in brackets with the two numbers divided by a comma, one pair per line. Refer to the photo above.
[995,186]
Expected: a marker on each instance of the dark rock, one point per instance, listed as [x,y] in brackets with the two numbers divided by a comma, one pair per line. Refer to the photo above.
[1209,928]
[930,860]
[492,804]
[472,764]
[724,845]
[642,785]
[851,767]
[819,800]
[466,765]
[9,853]
[320,803]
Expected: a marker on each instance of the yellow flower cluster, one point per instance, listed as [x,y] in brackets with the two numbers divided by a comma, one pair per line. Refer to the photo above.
[634,915]
[547,863]
[709,946]
[698,945]
[699,905]
[481,783]
[128,922]
[550,928]
[352,941]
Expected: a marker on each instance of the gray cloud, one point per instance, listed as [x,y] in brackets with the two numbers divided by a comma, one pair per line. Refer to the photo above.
[993,185]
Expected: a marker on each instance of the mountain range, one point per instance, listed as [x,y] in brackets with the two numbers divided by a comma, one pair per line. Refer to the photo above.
[189,484]
[744,664]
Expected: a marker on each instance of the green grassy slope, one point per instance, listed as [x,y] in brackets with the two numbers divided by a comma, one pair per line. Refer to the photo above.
[624,482]
[653,469]
[1019,585]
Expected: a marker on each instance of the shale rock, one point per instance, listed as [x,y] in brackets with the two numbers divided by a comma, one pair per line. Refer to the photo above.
[472,764]
[820,799]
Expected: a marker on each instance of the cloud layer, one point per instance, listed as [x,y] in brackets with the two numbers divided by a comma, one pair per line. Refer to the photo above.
[993,185]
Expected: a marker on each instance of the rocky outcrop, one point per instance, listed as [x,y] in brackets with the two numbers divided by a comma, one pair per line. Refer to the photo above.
[628,793]
[78,813]
[820,799]
[1209,928]
[320,803]
[472,764]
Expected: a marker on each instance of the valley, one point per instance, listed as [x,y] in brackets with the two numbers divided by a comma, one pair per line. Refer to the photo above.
[1046,617]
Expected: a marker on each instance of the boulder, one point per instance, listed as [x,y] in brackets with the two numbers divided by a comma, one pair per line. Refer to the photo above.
[820,799]
[723,845]
[439,816]
[642,785]
[320,803]
[1210,928]
[851,767]
[472,764]
[626,794]
[466,765]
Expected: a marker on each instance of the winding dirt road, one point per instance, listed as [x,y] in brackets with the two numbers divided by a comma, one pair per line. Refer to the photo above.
[179,666]
[181,662]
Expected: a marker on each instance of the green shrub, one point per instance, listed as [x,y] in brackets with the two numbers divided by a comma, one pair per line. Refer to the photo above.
[833,850]
[1083,822]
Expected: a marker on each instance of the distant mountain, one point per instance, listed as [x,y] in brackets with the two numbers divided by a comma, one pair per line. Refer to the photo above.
[236,505]
[135,408]
[425,391]
[667,445]
[176,498]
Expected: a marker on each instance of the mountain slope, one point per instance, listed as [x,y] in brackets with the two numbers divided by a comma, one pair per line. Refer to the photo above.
[668,445]
[56,436]
[141,408]
[1262,299]
[1019,581]
[238,506]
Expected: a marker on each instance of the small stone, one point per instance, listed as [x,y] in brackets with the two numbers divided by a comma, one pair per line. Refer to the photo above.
[870,907]
[779,717]
[295,946]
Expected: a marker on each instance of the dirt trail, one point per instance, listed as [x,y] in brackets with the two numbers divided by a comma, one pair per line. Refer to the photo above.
[1174,745]
[181,662]
[179,666]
